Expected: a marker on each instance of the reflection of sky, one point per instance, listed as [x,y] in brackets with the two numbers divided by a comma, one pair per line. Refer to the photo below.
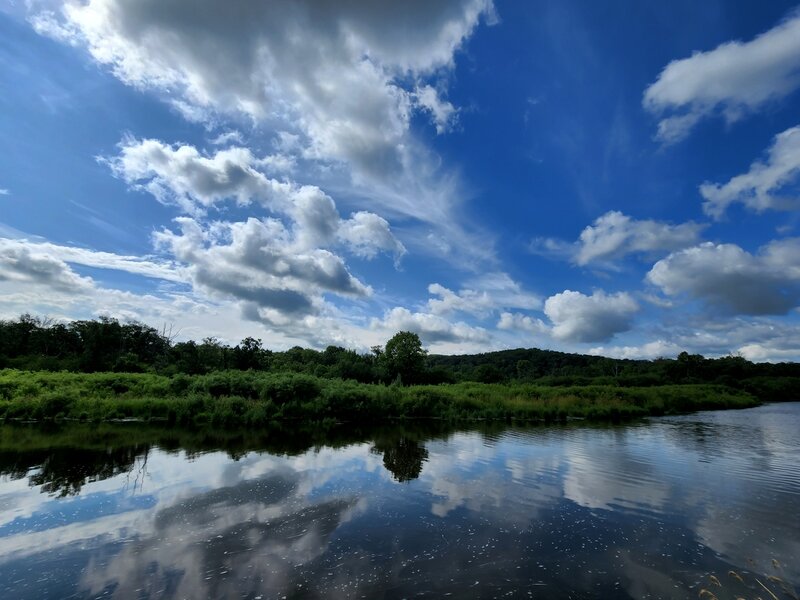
[628,511]
[60,513]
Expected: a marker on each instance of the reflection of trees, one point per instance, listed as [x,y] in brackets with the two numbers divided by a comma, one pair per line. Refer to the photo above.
[725,433]
[65,471]
[402,457]
[64,457]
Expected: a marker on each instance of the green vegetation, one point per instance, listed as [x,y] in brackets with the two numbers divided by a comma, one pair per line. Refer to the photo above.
[106,345]
[234,398]
[104,369]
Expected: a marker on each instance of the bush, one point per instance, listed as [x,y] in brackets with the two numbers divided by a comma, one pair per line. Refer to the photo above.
[56,403]
[283,389]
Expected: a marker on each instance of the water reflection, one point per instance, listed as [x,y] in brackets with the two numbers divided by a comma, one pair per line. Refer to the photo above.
[402,456]
[644,510]
[237,541]
[64,473]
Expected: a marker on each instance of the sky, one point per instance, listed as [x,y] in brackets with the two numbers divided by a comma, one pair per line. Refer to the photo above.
[618,178]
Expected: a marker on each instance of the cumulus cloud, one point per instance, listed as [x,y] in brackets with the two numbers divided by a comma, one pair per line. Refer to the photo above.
[519,322]
[614,235]
[332,69]
[729,278]
[431,328]
[766,185]
[733,79]
[713,334]
[181,175]
[768,353]
[577,317]
[482,296]
[366,233]
[254,261]
[648,351]
[4,192]
[34,278]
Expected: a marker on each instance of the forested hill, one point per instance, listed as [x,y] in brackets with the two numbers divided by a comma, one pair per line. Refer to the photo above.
[35,344]
[559,368]
[532,363]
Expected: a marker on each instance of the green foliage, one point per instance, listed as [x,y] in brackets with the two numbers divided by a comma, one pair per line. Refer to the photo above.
[404,357]
[306,381]
[230,399]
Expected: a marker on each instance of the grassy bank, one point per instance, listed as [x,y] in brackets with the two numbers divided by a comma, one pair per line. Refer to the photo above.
[236,398]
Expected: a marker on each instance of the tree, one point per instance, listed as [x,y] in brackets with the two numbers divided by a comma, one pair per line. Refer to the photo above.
[488,373]
[405,357]
[250,354]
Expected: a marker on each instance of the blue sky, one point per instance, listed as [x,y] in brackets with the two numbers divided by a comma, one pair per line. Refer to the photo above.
[618,178]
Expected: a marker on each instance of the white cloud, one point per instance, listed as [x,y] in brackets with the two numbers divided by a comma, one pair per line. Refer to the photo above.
[728,278]
[4,192]
[330,70]
[760,338]
[228,137]
[181,175]
[23,264]
[145,266]
[519,322]
[553,248]
[279,163]
[760,188]
[596,318]
[243,276]
[335,84]
[286,295]
[482,296]
[366,233]
[719,335]
[614,236]
[768,353]
[734,78]
[442,111]
[431,328]
[255,261]
[648,351]
[33,278]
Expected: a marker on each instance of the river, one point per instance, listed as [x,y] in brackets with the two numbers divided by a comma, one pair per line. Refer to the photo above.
[662,508]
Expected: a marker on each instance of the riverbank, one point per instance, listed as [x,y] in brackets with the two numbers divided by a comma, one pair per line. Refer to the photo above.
[250,398]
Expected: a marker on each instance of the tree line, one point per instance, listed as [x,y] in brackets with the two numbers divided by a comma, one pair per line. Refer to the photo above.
[106,344]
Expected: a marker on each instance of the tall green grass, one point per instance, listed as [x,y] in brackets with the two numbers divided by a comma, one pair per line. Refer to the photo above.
[251,398]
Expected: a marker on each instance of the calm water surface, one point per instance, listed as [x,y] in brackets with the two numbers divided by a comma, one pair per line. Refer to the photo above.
[647,510]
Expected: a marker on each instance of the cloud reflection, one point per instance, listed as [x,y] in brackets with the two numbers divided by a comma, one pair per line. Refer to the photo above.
[620,512]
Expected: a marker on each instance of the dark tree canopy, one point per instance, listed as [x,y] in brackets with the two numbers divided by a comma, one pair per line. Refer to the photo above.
[405,357]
